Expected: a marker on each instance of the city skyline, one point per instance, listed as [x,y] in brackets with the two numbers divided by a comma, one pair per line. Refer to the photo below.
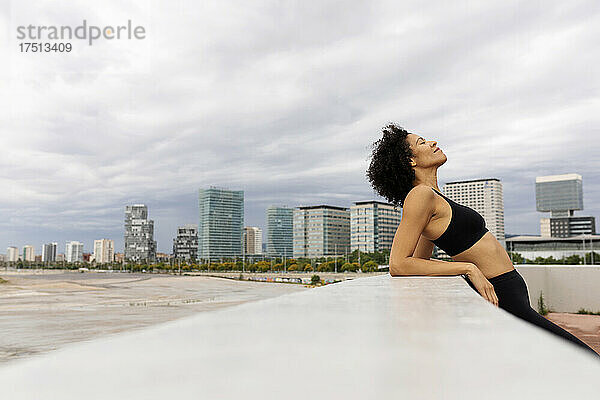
[117,249]
[284,105]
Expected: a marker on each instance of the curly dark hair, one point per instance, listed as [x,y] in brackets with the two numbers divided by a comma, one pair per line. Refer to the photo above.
[390,172]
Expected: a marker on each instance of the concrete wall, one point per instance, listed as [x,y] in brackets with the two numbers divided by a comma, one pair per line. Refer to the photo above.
[369,338]
[565,288]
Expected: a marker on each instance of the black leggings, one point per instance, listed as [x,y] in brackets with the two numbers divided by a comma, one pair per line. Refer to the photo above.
[513,297]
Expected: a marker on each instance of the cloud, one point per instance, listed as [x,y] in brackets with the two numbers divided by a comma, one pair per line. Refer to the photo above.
[281,100]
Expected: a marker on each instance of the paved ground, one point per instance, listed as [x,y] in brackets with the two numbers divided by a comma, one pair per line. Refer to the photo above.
[585,327]
[41,311]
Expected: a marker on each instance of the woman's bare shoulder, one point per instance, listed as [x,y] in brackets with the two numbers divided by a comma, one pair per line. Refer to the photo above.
[420,193]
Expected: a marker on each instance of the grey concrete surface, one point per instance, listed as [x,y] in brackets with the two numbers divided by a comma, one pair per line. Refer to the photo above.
[566,288]
[369,338]
[41,312]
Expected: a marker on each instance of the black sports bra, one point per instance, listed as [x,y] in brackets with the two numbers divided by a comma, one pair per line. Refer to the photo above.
[466,227]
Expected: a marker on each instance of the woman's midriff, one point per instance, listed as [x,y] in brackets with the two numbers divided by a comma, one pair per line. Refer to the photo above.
[488,255]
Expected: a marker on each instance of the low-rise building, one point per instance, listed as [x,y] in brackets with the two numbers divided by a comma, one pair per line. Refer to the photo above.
[531,247]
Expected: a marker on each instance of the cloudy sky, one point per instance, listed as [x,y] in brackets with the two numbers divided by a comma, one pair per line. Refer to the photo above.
[281,99]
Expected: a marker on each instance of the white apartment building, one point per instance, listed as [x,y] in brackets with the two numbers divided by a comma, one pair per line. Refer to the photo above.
[484,196]
[28,253]
[12,254]
[49,252]
[252,240]
[74,251]
[373,225]
[104,251]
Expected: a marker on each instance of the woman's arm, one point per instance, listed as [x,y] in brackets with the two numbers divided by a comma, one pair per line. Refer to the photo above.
[424,248]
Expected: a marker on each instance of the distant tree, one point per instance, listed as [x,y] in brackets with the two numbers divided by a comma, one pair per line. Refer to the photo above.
[550,260]
[516,257]
[369,266]
[325,267]
[263,264]
[588,258]
[349,267]
[315,279]
[293,267]
[264,267]
[573,259]
[226,266]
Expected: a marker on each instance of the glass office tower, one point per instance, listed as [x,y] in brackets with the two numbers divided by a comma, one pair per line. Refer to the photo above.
[280,229]
[221,223]
[562,195]
[559,194]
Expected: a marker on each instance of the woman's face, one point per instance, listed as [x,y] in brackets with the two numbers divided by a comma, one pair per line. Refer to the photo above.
[426,152]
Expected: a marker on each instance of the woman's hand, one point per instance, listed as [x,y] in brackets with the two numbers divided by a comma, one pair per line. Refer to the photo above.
[485,288]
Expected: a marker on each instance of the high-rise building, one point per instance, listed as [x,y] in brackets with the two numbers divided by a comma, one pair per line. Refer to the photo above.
[280,231]
[484,196]
[104,251]
[49,252]
[185,245]
[252,240]
[12,254]
[139,234]
[561,195]
[373,225]
[221,223]
[74,252]
[321,231]
[28,253]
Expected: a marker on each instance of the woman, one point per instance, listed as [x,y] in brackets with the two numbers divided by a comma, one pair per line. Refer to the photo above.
[403,169]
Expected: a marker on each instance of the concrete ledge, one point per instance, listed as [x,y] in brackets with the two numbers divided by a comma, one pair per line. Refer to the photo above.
[369,338]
